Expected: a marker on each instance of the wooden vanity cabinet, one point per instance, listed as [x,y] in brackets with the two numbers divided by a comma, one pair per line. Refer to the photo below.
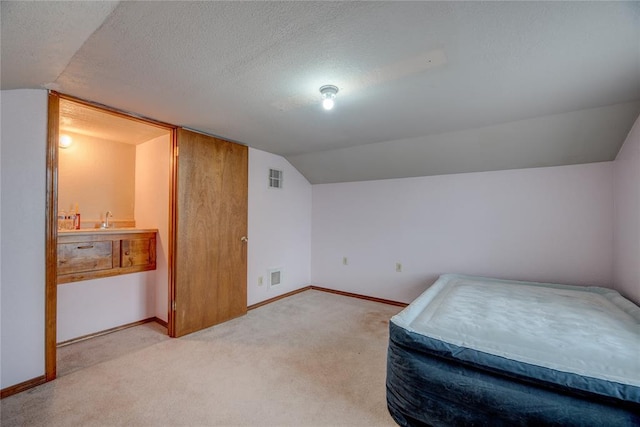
[84,255]
[137,252]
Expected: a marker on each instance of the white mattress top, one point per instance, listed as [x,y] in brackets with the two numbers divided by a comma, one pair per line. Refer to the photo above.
[589,331]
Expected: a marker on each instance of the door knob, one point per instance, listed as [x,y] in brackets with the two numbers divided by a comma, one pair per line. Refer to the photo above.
[244,239]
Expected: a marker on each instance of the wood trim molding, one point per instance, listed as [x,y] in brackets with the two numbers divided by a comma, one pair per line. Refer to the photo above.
[51,238]
[111,330]
[173,220]
[114,111]
[18,388]
[331,291]
[160,322]
[279,297]
[365,297]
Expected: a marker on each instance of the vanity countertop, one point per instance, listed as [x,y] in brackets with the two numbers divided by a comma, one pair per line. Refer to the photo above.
[117,230]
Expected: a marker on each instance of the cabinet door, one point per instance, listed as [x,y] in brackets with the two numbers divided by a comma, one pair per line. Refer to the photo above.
[210,259]
[137,252]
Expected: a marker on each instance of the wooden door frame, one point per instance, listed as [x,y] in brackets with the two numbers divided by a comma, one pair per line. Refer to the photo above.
[173,219]
[51,238]
[51,215]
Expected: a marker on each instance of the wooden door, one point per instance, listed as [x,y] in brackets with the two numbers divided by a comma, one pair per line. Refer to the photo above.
[210,257]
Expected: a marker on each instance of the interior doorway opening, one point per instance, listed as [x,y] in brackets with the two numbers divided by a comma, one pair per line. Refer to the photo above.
[105,165]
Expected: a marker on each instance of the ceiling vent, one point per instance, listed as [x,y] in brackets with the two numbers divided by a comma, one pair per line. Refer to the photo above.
[275,178]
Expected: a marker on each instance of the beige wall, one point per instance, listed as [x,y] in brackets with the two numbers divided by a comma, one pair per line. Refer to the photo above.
[153,176]
[99,175]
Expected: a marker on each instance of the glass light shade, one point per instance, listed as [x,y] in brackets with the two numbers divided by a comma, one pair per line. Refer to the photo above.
[65,141]
[328,103]
[328,93]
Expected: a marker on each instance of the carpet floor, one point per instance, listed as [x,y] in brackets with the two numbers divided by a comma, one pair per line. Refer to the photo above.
[312,359]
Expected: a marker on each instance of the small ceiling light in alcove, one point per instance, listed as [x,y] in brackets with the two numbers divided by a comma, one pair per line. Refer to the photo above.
[328,96]
[65,141]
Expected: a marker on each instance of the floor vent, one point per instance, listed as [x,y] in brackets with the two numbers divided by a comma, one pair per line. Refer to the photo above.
[275,178]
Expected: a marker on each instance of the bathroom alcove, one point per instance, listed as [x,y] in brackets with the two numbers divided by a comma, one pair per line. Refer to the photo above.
[122,165]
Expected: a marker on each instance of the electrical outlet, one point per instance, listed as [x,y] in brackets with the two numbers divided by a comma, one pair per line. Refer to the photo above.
[260,280]
[345,261]
[398,267]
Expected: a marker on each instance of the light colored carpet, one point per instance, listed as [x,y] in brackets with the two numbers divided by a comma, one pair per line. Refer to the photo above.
[107,347]
[313,359]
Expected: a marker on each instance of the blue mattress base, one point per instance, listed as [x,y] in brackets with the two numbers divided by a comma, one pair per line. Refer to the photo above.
[431,388]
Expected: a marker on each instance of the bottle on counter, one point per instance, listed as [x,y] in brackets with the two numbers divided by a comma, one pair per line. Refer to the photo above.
[77,218]
[62,217]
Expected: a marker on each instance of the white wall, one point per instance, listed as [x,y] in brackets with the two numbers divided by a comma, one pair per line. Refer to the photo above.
[22,200]
[546,224]
[626,268]
[153,174]
[279,227]
[95,305]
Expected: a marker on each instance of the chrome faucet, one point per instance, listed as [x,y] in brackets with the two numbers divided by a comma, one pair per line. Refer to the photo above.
[105,224]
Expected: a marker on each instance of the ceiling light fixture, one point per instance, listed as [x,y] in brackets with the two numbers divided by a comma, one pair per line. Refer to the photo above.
[328,96]
[65,141]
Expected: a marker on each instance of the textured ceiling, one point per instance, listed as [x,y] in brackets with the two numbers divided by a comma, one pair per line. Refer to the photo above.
[84,120]
[39,39]
[425,87]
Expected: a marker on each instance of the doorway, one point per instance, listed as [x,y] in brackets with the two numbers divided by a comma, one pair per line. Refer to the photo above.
[118,163]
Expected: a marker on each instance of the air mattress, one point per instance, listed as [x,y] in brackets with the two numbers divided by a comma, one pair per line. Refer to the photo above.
[479,351]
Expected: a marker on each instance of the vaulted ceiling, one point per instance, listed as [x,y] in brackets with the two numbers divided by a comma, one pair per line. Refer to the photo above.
[425,88]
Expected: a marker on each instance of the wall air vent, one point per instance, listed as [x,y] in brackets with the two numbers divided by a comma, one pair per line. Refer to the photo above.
[275,277]
[275,178]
